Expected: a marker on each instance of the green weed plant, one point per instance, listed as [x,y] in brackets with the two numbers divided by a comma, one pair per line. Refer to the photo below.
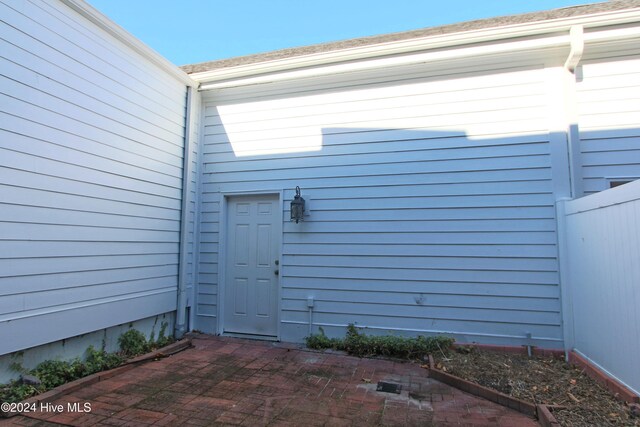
[359,344]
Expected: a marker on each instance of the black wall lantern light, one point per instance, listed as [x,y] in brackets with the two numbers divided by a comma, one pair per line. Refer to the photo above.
[297,207]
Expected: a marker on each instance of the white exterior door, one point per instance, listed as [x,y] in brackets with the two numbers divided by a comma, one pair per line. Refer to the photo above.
[252,264]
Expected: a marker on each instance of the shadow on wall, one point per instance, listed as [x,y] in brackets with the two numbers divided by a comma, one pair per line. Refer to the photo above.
[420,230]
[426,232]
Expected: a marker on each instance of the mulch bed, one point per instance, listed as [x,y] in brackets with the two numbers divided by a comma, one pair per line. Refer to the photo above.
[541,380]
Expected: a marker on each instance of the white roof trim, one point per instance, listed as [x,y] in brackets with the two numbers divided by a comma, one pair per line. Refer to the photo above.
[289,67]
[386,62]
[99,19]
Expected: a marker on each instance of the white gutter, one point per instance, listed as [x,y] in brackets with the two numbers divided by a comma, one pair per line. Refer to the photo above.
[326,62]
[100,20]
[386,62]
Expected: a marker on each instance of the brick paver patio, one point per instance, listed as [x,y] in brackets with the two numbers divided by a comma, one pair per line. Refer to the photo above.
[226,381]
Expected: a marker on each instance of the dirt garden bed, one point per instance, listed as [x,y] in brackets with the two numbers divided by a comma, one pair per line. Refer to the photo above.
[576,399]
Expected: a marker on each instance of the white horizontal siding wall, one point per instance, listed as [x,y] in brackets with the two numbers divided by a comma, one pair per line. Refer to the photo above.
[430,195]
[608,90]
[91,148]
[603,246]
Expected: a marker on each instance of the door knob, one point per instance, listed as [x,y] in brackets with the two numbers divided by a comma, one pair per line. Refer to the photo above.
[276,272]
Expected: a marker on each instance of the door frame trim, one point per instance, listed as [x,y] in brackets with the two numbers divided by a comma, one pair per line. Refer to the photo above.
[222,251]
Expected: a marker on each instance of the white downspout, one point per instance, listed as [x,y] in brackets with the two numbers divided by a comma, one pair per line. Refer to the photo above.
[576,35]
[181,304]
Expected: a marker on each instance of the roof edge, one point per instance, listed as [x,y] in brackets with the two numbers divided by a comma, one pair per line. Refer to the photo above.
[102,21]
[418,44]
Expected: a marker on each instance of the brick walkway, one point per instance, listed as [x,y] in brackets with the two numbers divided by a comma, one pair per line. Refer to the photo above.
[226,381]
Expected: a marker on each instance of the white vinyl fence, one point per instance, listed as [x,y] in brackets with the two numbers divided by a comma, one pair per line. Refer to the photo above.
[600,247]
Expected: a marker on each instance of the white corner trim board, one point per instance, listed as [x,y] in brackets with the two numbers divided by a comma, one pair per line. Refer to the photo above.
[104,23]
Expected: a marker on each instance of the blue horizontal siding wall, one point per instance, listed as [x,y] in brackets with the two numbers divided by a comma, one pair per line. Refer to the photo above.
[608,90]
[91,148]
[431,198]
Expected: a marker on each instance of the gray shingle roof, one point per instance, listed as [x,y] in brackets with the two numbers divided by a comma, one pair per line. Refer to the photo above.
[501,21]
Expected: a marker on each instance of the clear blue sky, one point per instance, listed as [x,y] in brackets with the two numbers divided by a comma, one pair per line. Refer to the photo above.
[190,31]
